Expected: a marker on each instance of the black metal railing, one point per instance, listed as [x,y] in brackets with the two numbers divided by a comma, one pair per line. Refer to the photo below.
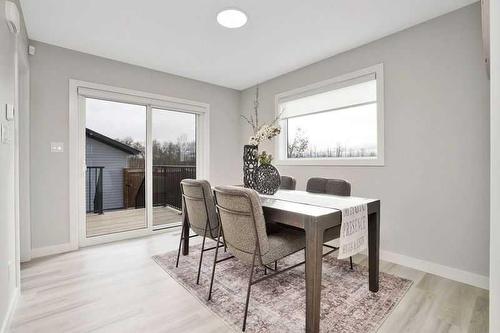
[166,185]
[94,180]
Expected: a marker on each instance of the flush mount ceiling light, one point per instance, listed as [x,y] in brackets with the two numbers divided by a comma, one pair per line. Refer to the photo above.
[232,18]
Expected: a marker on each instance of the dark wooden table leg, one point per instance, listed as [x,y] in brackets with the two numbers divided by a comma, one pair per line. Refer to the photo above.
[373,248]
[314,255]
[185,241]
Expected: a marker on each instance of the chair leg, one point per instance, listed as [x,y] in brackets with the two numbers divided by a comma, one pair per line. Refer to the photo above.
[213,267]
[224,241]
[180,244]
[248,293]
[350,261]
[201,255]
[276,265]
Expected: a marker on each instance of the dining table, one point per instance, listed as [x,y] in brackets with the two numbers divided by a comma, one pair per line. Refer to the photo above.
[318,215]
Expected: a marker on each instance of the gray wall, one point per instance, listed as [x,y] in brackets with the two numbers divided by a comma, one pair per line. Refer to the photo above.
[114,161]
[51,68]
[495,169]
[7,166]
[434,187]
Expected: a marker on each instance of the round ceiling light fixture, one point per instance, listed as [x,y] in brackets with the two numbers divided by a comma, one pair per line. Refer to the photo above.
[232,18]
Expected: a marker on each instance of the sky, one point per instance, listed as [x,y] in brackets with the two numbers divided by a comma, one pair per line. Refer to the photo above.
[353,127]
[121,120]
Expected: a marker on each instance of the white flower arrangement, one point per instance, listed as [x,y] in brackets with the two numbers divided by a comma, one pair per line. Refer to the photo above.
[265,132]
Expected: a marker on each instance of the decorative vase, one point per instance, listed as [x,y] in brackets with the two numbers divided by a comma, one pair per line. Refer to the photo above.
[250,163]
[267,179]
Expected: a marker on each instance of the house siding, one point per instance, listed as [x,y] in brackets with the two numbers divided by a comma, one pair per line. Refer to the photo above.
[113,161]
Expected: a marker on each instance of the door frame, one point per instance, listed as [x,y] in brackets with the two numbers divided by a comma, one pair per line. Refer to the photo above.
[78,90]
[22,137]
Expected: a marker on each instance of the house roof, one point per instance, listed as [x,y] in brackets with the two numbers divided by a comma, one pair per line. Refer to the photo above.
[111,142]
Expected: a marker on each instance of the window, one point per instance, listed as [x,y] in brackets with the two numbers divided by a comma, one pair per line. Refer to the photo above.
[337,122]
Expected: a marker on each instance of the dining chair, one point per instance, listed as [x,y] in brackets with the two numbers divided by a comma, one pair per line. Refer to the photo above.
[199,206]
[334,187]
[288,183]
[244,228]
[329,186]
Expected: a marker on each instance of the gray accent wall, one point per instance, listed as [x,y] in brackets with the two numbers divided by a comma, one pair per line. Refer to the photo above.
[434,187]
[51,69]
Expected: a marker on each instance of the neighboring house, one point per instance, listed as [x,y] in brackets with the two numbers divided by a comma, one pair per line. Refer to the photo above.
[102,151]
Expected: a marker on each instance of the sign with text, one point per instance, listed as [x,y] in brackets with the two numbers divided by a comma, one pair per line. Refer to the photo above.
[353,231]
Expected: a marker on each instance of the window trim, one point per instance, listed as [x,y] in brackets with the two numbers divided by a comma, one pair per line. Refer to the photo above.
[280,143]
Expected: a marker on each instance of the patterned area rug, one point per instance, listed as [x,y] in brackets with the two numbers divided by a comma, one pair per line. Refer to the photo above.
[278,304]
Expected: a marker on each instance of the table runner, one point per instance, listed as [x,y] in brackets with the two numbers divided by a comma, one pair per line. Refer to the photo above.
[354,227]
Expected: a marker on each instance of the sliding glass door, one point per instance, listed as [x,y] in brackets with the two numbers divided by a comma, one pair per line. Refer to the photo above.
[134,151]
[115,180]
[174,158]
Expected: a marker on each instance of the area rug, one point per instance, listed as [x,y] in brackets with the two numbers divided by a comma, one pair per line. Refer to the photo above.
[278,304]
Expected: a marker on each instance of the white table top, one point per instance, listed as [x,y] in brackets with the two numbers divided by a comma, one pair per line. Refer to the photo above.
[326,201]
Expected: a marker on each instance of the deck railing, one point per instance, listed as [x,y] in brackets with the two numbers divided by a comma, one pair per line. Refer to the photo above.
[94,184]
[166,185]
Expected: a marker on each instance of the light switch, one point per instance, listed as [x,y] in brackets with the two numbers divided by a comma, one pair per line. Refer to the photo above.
[56,147]
[9,112]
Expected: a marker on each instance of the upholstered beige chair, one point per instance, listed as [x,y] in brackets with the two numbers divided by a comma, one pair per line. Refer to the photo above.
[288,183]
[244,229]
[334,187]
[199,206]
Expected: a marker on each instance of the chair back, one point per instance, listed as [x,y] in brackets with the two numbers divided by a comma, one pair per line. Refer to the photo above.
[329,186]
[288,183]
[242,220]
[200,206]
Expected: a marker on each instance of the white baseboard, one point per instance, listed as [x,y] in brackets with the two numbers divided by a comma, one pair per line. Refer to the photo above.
[53,249]
[451,273]
[10,311]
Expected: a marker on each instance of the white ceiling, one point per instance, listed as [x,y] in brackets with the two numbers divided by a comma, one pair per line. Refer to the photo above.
[183,37]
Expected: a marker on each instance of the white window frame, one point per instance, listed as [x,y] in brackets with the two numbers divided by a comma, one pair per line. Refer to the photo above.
[281,142]
[78,91]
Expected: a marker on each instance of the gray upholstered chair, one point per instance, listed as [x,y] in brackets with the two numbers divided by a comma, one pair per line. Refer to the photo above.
[329,186]
[288,183]
[244,228]
[199,206]
[334,187]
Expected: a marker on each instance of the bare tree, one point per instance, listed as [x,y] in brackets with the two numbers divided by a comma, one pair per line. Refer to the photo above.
[299,145]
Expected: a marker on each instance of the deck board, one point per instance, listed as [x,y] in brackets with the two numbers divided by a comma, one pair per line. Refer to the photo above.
[128,219]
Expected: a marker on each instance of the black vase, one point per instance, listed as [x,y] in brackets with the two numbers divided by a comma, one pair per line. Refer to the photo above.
[267,179]
[250,163]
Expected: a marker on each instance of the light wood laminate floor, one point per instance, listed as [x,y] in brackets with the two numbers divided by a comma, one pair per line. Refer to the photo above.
[118,288]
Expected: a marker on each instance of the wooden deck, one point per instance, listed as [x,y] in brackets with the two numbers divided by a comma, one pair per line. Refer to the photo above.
[128,219]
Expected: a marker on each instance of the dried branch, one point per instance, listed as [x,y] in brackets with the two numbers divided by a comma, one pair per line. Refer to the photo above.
[256,107]
[254,122]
